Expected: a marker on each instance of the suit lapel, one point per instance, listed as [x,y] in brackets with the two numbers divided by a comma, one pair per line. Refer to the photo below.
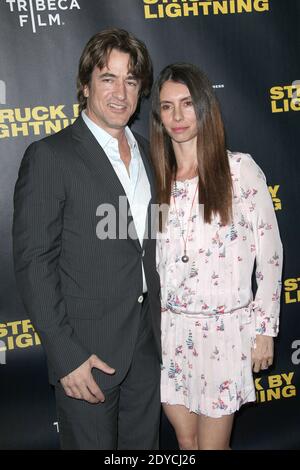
[100,167]
[95,159]
[150,221]
[147,165]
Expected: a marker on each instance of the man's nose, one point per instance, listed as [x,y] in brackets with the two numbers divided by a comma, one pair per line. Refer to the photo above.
[120,90]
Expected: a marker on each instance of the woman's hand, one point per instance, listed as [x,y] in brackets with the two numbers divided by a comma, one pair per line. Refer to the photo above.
[262,354]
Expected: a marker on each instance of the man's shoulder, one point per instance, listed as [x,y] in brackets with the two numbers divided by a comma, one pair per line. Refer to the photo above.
[56,144]
[60,138]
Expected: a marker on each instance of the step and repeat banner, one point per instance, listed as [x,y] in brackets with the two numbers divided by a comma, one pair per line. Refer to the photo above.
[250,50]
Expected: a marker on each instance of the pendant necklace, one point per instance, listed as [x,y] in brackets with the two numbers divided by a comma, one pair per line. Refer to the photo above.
[184,258]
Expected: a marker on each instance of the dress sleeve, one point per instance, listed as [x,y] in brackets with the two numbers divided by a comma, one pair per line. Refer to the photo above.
[268,247]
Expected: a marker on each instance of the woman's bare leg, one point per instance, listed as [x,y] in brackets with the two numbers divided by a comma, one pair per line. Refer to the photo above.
[185,425]
[214,433]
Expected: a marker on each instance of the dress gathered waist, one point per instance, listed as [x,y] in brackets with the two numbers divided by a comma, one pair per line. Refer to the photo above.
[208,313]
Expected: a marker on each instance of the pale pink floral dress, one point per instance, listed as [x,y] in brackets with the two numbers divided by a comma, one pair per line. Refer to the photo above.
[209,316]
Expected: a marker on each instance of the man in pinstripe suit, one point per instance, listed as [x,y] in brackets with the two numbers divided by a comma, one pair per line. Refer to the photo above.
[94,300]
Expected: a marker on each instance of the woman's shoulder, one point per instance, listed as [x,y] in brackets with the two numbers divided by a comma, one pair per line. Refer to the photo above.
[242,165]
[247,176]
[237,158]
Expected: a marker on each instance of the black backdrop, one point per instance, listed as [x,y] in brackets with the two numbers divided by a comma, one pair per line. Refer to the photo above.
[250,50]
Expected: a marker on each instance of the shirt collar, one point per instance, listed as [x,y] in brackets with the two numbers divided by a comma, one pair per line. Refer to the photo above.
[103,137]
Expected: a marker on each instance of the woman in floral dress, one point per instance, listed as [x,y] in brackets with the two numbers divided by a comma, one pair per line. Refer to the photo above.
[217,224]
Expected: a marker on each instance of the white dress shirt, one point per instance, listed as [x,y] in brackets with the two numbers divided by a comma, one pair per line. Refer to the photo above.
[134,181]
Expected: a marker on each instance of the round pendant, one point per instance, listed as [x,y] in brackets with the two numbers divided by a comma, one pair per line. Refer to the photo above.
[184,258]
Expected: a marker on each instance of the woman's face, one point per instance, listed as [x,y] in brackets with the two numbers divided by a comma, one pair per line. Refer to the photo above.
[177,112]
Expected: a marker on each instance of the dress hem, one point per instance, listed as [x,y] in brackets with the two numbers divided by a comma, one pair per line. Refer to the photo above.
[249,398]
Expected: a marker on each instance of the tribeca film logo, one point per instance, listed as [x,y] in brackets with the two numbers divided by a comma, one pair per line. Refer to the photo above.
[41,13]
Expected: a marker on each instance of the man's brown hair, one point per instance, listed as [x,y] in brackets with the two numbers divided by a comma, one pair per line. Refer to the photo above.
[96,54]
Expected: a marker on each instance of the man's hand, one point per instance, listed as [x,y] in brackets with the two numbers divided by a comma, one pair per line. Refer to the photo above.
[262,355]
[80,383]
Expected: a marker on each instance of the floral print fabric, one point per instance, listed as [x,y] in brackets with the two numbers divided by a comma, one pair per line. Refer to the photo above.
[213,290]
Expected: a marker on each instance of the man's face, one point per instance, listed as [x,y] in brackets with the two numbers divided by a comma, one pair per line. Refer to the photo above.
[112,94]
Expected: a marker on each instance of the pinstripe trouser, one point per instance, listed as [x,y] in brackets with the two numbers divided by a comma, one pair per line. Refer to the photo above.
[129,418]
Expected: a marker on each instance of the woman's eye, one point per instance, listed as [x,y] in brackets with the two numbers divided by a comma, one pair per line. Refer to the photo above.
[188,103]
[165,107]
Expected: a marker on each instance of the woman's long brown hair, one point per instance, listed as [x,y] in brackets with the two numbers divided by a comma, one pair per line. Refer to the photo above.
[215,183]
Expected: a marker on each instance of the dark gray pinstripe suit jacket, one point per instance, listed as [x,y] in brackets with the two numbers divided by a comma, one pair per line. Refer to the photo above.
[80,292]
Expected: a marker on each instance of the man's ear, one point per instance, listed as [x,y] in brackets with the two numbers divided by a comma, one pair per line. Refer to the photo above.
[86,91]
